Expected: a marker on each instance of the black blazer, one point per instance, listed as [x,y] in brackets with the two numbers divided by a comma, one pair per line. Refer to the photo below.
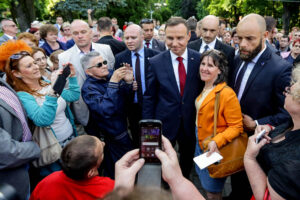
[162,98]
[158,45]
[125,57]
[263,97]
[226,49]
[115,45]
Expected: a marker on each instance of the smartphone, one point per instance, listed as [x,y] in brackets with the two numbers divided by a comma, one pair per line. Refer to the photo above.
[150,139]
[61,80]
[260,136]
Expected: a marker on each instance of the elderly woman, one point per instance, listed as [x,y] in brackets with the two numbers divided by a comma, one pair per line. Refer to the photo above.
[213,71]
[42,105]
[273,165]
[49,34]
[65,30]
[105,94]
[29,38]
[40,58]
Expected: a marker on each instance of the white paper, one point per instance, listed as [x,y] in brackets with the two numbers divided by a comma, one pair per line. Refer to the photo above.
[203,161]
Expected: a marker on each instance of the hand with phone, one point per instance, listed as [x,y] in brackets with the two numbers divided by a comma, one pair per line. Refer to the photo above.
[118,75]
[253,148]
[62,76]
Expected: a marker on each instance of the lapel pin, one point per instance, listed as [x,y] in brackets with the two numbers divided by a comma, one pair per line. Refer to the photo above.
[192,58]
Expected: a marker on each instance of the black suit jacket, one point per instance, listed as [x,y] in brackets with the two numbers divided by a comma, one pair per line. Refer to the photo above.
[115,45]
[125,57]
[273,49]
[162,98]
[263,97]
[158,45]
[226,49]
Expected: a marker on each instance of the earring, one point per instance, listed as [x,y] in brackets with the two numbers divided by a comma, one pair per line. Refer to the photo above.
[20,77]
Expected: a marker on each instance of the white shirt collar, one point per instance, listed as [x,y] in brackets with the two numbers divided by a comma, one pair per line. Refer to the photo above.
[140,52]
[184,55]
[10,37]
[254,60]
[210,45]
[79,51]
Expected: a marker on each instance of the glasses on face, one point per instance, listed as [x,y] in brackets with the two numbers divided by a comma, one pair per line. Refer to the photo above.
[100,64]
[145,21]
[12,25]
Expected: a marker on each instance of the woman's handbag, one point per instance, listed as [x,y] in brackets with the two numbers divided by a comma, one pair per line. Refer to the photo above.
[233,152]
[50,148]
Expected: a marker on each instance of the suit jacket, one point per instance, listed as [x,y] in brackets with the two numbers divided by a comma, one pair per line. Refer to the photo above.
[226,49]
[3,39]
[14,154]
[79,108]
[229,120]
[263,97]
[115,45]
[273,49]
[162,98]
[158,45]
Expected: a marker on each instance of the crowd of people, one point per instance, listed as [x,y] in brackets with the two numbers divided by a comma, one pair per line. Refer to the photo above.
[173,72]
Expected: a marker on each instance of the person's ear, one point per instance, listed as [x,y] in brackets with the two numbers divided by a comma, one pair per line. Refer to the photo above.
[93,172]
[16,73]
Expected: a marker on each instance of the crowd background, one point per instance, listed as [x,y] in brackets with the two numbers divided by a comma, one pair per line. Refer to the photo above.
[116,68]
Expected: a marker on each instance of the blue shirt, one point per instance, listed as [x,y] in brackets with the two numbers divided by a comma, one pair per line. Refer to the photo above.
[141,52]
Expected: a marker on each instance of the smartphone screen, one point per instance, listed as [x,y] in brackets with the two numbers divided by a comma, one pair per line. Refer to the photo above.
[150,140]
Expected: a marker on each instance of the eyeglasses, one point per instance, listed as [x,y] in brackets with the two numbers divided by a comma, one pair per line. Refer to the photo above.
[100,64]
[146,21]
[12,25]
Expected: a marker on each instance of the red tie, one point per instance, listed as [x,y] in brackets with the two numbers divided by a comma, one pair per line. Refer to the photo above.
[182,74]
[147,44]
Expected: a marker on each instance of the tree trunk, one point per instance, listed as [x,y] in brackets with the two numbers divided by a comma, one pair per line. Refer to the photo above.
[286,17]
[24,13]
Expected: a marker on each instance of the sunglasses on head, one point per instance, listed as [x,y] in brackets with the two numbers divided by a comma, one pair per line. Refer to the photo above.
[17,56]
[100,64]
[145,21]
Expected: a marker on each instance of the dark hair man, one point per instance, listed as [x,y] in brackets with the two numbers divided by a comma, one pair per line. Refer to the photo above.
[284,44]
[192,25]
[150,42]
[270,28]
[105,29]
[259,79]
[173,85]
[79,178]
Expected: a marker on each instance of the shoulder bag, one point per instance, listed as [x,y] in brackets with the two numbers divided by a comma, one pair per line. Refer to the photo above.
[233,152]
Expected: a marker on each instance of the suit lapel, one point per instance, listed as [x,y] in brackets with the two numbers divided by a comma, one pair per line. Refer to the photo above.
[199,45]
[169,68]
[257,69]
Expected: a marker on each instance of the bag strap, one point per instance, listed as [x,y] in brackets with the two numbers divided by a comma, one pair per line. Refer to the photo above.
[216,110]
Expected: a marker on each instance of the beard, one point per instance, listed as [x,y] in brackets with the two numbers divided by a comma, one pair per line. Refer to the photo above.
[252,54]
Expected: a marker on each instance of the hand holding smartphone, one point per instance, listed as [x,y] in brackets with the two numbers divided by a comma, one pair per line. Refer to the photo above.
[260,136]
[61,80]
[150,139]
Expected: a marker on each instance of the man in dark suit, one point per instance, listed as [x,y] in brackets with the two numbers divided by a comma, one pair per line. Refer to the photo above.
[150,42]
[172,87]
[105,28]
[209,32]
[259,79]
[136,56]
[271,25]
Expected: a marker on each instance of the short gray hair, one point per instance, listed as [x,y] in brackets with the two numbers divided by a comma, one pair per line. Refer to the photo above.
[85,60]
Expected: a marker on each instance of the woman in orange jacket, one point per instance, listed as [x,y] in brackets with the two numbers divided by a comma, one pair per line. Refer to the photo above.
[213,71]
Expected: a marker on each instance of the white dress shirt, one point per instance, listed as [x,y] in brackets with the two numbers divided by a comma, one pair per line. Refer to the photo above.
[210,45]
[247,73]
[175,64]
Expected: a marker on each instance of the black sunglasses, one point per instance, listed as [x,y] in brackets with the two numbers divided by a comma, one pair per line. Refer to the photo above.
[146,21]
[100,64]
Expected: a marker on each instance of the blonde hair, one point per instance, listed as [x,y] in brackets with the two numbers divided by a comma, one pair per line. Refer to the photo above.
[296,83]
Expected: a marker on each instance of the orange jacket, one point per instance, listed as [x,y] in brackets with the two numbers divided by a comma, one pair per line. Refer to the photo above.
[229,121]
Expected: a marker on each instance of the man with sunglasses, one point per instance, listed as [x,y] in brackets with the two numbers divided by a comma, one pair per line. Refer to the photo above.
[9,29]
[150,42]
[105,94]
